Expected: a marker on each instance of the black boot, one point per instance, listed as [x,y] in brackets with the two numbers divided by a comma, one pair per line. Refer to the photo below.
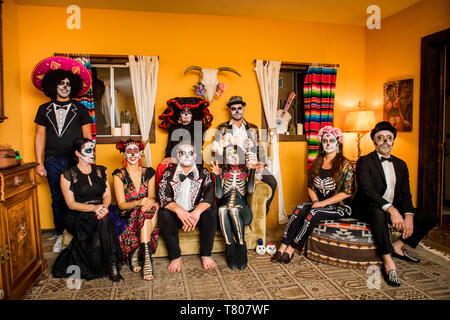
[114,274]
[242,256]
[230,251]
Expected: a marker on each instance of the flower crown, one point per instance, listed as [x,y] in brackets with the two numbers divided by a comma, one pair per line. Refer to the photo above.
[329,129]
[121,145]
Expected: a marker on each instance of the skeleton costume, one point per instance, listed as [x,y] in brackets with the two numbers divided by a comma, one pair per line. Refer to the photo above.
[188,190]
[325,185]
[233,185]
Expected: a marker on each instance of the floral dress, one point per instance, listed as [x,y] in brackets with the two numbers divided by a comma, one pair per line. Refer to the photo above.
[135,218]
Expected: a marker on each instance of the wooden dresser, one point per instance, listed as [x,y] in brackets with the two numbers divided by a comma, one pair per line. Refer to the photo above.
[21,255]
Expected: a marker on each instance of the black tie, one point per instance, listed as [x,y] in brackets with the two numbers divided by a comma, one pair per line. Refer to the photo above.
[61,107]
[386,159]
[183,177]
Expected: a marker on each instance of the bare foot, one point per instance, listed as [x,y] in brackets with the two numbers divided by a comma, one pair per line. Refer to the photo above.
[148,277]
[137,269]
[208,263]
[175,265]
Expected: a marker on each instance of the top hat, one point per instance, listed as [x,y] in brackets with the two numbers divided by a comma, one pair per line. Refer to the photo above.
[63,63]
[236,100]
[383,125]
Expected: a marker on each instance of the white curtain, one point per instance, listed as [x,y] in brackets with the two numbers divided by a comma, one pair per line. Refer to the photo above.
[144,80]
[268,73]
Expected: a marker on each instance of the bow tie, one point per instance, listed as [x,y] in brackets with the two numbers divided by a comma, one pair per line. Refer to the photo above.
[386,159]
[183,177]
[61,107]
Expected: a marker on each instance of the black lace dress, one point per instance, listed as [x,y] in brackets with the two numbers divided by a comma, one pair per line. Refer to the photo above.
[95,245]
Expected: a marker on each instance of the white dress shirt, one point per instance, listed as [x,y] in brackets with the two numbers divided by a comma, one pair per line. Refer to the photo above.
[184,200]
[241,132]
[60,115]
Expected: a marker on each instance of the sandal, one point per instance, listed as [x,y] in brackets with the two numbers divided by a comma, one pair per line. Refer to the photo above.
[134,260]
[147,270]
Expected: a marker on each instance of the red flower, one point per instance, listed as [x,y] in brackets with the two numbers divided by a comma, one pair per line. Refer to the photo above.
[227,175]
[242,176]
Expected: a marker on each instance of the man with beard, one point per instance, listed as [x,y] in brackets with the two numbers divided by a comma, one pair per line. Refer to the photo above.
[244,134]
[186,195]
[383,197]
[58,123]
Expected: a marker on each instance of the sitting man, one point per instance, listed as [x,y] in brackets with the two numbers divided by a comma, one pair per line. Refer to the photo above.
[383,197]
[245,135]
[186,195]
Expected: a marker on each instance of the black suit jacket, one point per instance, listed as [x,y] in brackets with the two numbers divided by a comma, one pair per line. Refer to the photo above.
[371,184]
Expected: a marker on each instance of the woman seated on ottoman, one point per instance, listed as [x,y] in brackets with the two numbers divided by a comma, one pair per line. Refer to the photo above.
[134,187]
[95,248]
[330,183]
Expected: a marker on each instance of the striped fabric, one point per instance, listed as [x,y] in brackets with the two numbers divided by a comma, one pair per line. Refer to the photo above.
[319,89]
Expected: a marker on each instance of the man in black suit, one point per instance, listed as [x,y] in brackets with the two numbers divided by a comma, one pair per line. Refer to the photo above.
[383,197]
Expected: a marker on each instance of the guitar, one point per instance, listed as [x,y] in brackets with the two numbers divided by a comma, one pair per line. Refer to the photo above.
[283,117]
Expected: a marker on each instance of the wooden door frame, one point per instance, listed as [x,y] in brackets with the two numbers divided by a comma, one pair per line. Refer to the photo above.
[431,124]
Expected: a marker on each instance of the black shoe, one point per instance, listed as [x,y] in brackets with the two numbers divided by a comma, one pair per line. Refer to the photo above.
[114,274]
[276,257]
[285,258]
[230,251]
[243,255]
[391,277]
[405,257]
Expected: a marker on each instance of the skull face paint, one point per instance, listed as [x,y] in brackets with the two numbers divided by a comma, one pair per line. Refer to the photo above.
[237,111]
[186,115]
[231,156]
[383,141]
[329,142]
[132,154]
[88,152]
[63,88]
[186,155]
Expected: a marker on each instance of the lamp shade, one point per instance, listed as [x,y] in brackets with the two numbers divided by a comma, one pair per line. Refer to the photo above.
[359,121]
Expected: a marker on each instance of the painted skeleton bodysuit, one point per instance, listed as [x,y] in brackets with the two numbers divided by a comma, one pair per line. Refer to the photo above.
[232,187]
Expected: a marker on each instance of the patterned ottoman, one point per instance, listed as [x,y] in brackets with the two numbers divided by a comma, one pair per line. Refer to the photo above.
[345,243]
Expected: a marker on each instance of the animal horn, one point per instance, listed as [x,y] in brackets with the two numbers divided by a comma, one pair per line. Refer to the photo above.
[197,68]
[228,69]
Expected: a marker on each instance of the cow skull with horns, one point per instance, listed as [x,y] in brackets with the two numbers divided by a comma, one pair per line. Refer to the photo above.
[208,77]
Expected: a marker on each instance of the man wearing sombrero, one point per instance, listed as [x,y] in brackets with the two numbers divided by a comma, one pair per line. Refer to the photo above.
[383,197]
[58,123]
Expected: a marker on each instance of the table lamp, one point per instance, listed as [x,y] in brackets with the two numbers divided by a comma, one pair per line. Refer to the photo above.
[361,122]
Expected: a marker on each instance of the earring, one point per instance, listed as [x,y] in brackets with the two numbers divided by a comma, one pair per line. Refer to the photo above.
[139,162]
[124,163]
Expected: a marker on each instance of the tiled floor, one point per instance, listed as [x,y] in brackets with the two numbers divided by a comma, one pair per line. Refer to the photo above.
[263,280]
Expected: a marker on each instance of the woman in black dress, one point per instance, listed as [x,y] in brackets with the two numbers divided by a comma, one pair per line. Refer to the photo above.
[94,248]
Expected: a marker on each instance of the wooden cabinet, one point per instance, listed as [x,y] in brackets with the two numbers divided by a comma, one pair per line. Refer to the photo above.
[21,255]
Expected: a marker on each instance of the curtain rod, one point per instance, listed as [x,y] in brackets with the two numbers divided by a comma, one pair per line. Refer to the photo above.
[94,55]
[305,63]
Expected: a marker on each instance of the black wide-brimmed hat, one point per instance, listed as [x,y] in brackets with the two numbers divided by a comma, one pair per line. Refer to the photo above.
[235,100]
[383,125]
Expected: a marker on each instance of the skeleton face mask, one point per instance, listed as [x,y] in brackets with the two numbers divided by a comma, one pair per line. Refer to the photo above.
[132,154]
[383,141]
[63,88]
[88,152]
[186,115]
[329,142]
[186,155]
[237,111]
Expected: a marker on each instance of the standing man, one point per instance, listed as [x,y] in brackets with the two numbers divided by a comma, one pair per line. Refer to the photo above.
[186,195]
[383,197]
[58,123]
[245,135]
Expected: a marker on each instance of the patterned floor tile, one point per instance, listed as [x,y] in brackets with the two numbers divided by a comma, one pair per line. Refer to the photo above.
[131,293]
[97,283]
[56,296]
[352,284]
[287,293]
[209,296]
[94,294]
[340,297]
[305,276]
[273,278]
[321,288]
[438,292]
[239,281]
[408,293]
[56,285]
[249,294]
[416,277]
[438,273]
[369,295]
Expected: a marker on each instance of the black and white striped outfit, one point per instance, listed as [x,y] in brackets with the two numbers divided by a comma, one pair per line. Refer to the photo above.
[304,218]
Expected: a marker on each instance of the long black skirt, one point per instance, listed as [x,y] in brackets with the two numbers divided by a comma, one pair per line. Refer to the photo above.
[93,249]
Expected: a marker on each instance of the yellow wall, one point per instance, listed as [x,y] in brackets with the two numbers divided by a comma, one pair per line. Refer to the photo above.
[393,53]
[11,129]
[181,40]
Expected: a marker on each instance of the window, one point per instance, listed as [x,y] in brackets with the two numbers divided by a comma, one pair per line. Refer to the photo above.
[114,100]
[292,77]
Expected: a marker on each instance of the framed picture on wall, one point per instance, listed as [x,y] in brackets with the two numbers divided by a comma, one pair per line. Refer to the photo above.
[398,104]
